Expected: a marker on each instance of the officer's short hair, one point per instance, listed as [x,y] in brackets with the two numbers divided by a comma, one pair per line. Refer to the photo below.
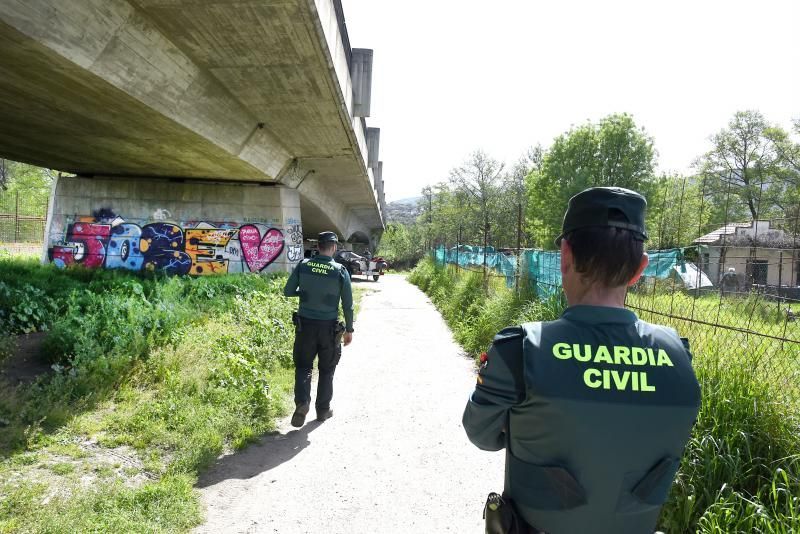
[606,255]
[329,245]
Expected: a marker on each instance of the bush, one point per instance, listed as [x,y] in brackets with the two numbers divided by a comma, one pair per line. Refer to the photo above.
[101,324]
[177,369]
[741,469]
[25,309]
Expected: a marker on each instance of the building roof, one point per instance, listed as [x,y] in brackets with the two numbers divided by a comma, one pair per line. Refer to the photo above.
[717,234]
[752,234]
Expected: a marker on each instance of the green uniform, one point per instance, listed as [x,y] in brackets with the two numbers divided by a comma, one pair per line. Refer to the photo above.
[594,411]
[320,283]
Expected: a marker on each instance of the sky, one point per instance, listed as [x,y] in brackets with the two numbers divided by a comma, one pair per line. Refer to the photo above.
[453,76]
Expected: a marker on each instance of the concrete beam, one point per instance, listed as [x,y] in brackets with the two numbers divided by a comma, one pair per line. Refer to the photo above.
[361,74]
[373,146]
[121,52]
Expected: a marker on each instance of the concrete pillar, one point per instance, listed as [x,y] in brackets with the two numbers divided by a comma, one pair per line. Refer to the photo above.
[361,76]
[377,174]
[373,147]
[176,226]
[382,197]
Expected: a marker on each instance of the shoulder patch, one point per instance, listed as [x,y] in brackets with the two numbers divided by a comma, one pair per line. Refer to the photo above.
[508,334]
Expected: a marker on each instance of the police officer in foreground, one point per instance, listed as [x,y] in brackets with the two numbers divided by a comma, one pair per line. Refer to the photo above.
[594,409]
[320,283]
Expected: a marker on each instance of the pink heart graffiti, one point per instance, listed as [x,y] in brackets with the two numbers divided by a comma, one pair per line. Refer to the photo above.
[260,251]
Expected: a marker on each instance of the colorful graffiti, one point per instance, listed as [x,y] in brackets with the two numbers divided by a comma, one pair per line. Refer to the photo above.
[105,240]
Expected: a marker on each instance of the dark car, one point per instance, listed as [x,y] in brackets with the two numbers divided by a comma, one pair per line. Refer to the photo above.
[357,264]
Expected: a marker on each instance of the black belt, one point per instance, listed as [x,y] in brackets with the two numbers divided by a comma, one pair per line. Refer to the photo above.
[318,322]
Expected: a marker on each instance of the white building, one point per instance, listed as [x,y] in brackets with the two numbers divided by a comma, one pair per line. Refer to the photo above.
[761,255]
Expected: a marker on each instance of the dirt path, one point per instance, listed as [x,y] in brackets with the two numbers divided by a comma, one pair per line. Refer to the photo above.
[394,458]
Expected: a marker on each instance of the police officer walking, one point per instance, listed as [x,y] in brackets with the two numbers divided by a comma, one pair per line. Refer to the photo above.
[594,409]
[320,283]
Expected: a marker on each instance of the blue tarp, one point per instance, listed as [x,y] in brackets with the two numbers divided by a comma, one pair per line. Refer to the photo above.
[466,256]
[543,268]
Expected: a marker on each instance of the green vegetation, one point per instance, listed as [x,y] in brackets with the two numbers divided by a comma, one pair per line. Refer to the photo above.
[402,246]
[612,152]
[24,194]
[473,315]
[741,470]
[752,171]
[154,378]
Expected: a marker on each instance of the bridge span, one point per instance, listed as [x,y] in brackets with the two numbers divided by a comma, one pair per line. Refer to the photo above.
[247,117]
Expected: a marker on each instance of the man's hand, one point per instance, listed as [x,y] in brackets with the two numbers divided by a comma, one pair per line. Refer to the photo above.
[348,338]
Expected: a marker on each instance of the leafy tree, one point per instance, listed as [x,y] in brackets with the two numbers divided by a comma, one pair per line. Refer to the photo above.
[742,169]
[477,184]
[510,231]
[4,174]
[786,192]
[613,152]
[678,212]
[32,184]
[402,245]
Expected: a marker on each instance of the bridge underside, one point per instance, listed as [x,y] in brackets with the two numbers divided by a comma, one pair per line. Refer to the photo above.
[225,92]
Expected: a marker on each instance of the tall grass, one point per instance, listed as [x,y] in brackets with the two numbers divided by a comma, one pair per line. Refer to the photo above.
[741,469]
[176,370]
[475,315]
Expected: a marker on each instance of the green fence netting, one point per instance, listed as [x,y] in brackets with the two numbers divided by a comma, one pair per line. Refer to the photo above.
[542,268]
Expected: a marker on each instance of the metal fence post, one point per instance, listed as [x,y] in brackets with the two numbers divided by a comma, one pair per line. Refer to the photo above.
[16,217]
[458,251]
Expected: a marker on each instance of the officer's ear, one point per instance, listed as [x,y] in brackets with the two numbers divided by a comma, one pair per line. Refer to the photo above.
[642,266]
[567,259]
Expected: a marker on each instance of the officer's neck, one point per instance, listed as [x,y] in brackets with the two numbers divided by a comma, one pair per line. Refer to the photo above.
[597,296]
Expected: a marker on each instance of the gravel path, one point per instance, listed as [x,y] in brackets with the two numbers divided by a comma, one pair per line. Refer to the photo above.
[393,459]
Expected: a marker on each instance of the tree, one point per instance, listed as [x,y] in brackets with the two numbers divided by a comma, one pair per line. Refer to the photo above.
[402,245]
[31,184]
[613,152]
[477,182]
[741,169]
[677,212]
[786,193]
[4,174]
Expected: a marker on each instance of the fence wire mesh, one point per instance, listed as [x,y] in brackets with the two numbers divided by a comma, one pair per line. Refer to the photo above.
[23,218]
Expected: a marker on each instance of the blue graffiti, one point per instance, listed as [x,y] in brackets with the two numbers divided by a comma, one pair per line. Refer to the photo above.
[162,246]
[123,248]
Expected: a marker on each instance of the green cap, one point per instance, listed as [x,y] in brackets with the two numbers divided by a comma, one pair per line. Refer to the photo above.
[605,206]
[327,237]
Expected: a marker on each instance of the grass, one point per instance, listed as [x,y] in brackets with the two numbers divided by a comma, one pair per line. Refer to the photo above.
[741,469]
[155,378]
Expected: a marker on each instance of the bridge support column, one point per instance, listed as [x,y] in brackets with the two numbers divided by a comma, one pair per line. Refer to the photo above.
[175,226]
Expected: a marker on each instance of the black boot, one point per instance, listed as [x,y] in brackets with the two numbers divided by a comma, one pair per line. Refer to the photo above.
[324,414]
[299,416]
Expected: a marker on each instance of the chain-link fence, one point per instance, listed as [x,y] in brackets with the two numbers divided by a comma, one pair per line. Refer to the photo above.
[23,218]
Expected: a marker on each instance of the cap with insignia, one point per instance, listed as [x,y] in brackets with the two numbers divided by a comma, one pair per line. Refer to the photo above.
[605,206]
[327,237]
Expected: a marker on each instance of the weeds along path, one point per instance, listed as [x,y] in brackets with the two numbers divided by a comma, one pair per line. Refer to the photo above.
[394,458]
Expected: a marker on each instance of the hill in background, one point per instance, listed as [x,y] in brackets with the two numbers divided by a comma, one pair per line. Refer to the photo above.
[404,211]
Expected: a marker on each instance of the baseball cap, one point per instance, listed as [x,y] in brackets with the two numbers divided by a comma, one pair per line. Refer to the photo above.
[327,237]
[605,206]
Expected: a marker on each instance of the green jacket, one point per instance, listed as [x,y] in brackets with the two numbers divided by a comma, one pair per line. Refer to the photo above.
[594,411]
[321,283]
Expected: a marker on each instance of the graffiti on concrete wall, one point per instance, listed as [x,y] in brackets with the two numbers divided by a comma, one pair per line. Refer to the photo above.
[105,240]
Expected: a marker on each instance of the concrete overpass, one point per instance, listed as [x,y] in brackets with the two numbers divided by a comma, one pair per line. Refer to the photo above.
[198,113]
